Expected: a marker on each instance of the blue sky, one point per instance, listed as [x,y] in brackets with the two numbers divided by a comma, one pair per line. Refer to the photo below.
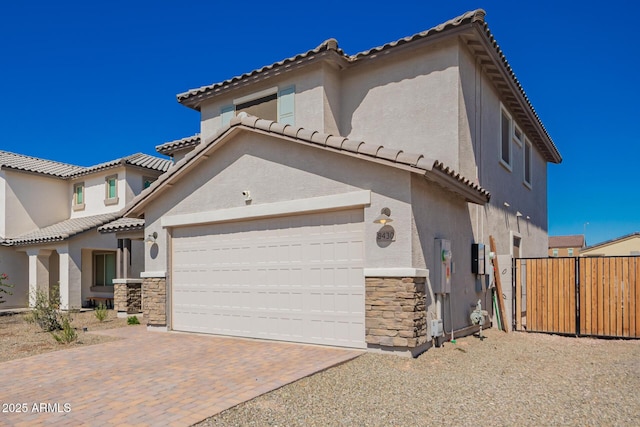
[85,82]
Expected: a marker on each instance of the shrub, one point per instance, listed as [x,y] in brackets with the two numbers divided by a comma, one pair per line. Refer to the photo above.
[68,333]
[133,320]
[45,311]
[3,286]
[101,312]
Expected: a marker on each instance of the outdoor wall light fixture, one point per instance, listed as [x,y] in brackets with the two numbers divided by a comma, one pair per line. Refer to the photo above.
[383,218]
[518,214]
[151,238]
[506,205]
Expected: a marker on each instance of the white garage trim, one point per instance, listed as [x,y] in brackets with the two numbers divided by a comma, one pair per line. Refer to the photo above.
[300,206]
[396,272]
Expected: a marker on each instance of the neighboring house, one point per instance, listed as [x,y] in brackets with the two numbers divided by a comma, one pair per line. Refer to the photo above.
[622,246]
[566,246]
[278,221]
[49,215]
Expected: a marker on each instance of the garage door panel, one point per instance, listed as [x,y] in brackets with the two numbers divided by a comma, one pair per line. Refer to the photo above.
[292,278]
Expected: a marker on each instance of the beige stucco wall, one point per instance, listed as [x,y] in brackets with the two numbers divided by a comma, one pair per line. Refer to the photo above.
[31,201]
[480,148]
[16,266]
[310,103]
[405,100]
[438,214]
[95,192]
[620,248]
[432,100]
[275,171]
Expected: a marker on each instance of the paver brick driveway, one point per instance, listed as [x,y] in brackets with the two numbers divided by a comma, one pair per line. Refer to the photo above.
[152,378]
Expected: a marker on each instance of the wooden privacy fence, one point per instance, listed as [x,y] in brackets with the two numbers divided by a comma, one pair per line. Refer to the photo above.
[597,296]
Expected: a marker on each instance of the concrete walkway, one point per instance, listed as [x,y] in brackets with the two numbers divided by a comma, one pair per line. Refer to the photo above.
[152,378]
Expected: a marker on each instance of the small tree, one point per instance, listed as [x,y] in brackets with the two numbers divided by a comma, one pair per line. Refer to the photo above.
[4,286]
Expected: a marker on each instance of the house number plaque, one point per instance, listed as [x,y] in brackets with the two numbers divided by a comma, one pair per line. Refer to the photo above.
[385,236]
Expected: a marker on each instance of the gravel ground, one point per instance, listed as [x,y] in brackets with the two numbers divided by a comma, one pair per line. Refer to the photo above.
[20,339]
[506,379]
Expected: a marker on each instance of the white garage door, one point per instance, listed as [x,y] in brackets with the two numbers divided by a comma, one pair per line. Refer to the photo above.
[295,278]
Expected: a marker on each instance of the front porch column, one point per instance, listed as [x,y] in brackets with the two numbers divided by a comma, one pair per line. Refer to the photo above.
[38,273]
[70,281]
[123,259]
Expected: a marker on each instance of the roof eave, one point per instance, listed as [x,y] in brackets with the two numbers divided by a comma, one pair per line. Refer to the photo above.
[509,88]
[194,100]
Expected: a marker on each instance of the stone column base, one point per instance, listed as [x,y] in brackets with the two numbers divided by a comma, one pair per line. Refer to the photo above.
[154,301]
[395,314]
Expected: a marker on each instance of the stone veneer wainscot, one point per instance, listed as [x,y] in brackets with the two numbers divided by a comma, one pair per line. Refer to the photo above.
[395,313]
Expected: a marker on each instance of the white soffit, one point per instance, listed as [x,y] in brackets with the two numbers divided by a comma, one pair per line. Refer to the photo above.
[314,204]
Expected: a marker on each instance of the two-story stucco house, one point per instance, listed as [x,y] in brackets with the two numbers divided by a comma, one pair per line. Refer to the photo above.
[50,213]
[344,199]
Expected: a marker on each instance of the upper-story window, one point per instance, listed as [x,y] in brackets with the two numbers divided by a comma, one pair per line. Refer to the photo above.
[570,251]
[111,190]
[505,139]
[270,104]
[555,252]
[527,163]
[78,196]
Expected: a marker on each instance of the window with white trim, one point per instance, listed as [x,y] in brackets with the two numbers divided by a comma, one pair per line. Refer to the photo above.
[78,196]
[527,163]
[104,268]
[269,104]
[555,252]
[111,190]
[570,251]
[518,136]
[505,139]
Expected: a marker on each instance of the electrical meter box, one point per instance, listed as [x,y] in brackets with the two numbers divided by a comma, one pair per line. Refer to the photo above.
[477,259]
[442,267]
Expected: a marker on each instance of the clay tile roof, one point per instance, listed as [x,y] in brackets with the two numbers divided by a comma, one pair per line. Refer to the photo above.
[327,45]
[575,241]
[139,159]
[34,164]
[62,230]
[168,148]
[62,170]
[122,224]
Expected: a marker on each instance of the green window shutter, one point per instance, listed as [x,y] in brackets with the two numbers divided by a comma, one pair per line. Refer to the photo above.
[227,113]
[286,105]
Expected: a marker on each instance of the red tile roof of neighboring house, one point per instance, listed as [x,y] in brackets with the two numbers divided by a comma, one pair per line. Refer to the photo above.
[575,241]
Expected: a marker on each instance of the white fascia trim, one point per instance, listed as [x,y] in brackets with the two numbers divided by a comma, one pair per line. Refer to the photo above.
[153,274]
[126,281]
[255,95]
[396,272]
[314,204]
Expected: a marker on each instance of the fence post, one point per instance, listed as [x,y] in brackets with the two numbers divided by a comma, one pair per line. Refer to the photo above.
[578,308]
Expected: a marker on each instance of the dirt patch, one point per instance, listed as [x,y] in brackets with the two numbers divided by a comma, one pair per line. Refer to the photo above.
[19,339]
